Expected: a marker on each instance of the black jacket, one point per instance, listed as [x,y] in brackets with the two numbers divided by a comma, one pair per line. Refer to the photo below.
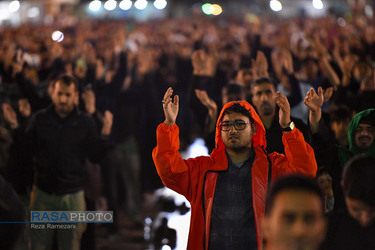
[59,147]
[274,134]
[345,233]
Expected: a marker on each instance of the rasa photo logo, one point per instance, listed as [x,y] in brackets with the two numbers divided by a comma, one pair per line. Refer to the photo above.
[67,219]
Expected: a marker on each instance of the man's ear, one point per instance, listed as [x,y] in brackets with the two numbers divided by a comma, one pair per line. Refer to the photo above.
[76,98]
[253,128]
[266,227]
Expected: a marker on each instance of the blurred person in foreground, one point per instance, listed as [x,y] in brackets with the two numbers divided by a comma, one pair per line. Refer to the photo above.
[227,189]
[354,227]
[295,215]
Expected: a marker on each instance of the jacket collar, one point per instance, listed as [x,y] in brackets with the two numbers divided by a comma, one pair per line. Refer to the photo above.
[51,110]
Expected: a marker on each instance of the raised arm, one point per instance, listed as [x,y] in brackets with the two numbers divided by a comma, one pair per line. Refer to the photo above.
[284,113]
[210,105]
[299,156]
[174,172]
[322,140]
[10,116]
[314,101]
[170,107]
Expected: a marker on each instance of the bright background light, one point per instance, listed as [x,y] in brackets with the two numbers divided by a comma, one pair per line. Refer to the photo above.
[166,247]
[33,12]
[197,148]
[4,14]
[317,4]
[95,5]
[125,4]
[160,4]
[275,5]
[217,10]
[57,36]
[369,11]
[14,6]
[140,4]
[341,21]
[110,5]
[208,9]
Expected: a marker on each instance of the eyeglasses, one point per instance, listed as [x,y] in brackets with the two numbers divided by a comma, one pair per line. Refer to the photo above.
[238,125]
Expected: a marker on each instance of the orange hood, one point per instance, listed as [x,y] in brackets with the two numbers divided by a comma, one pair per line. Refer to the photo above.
[259,139]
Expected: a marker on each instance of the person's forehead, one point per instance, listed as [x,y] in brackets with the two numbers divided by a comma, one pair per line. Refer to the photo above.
[325,174]
[60,86]
[264,86]
[297,201]
[246,71]
[358,204]
[235,116]
[363,125]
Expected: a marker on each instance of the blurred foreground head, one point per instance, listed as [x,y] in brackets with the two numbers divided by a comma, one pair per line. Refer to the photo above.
[295,215]
[359,189]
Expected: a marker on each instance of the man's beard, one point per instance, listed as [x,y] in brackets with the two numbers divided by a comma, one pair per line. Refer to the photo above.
[364,145]
[266,109]
[63,109]
[237,146]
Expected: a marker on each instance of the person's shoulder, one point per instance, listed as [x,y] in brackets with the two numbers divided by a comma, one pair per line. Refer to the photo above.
[340,220]
[338,215]
[84,117]
[42,114]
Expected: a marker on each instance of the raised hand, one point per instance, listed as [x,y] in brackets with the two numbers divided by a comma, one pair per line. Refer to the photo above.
[18,64]
[10,115]
[99,69]
[203,64]
[328,94]
[107,123]
[88,98]
[287,61]
[284,113]
[205,99]
[170,107]
[260,64]
[314,101]
[211,105]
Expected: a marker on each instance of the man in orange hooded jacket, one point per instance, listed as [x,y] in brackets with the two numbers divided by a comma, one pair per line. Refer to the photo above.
[227,190]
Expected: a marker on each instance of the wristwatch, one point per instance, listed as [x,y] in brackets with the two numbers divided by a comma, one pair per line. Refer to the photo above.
[290,127]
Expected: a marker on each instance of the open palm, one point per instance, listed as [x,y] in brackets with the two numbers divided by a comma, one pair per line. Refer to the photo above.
[314,101]
[170,107]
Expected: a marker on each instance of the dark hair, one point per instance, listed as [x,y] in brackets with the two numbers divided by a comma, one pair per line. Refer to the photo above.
[307,60]
[368,119]
[340,113]
[229,47]
[359,179]
[321,171]
[294,183]
[67,80]
[234,89]
[263,80]
[238,108]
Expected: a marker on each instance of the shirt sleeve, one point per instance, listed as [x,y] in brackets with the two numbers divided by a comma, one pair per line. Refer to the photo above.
[299,156]
[176,173]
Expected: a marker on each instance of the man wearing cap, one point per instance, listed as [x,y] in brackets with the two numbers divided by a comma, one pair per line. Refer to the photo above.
[227,190]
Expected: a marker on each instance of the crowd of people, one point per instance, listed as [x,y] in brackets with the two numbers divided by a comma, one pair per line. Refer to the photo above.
[79,115]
